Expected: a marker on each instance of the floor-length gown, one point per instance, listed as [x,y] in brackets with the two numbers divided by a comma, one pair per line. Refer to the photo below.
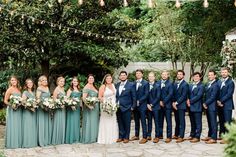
[59,124]
[29,126]
[90,120]
[108,126]
[73,121]
[44,122]
[13,127]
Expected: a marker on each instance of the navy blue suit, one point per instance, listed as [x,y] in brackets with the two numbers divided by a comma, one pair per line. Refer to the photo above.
[196,101]
[126,100]
[226,98]
[166,98]
[154,98]
[180,97]
[140,111]
[211,93]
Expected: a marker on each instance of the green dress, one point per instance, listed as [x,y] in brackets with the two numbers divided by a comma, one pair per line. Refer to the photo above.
[29,125]
[44,122]
[59,123]
[90,121]
[73,121]
[13,127]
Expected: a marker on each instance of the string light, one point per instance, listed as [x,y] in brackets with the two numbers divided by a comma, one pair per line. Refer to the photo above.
[205,4]
[80,2]
[102,3]
[177,4]
[235,3]
[0,8]
[150,4]
[60,1]
[125,3]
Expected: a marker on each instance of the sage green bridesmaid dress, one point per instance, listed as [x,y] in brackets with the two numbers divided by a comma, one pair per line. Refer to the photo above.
[90,120]
[73,121]
[59,122]
[44,122]
[13,127]
[29,125]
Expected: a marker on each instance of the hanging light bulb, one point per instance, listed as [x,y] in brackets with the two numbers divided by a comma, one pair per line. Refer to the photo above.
[177,4]
[102,3]
[60,1]
[125,3]
[80,2]
[205,4]
[150,4]
[235,3]
[0,9]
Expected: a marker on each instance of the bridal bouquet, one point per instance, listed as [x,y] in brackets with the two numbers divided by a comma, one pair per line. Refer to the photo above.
[15,101]
[30,104]
[48,104]
[61,102]
[90,102]
[109,107]
[73,103]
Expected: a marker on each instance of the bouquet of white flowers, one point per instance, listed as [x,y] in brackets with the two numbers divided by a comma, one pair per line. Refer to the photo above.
[61,102]
[72,102]
[30,104]
[109,107]
[15,101]
[48,104]
[90,102]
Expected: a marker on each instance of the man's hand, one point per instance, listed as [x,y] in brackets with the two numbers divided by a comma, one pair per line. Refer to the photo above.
[149,106]
[174,105]
[205,106]
[161,104]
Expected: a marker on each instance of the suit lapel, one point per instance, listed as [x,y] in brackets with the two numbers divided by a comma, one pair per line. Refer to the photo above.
[124,88]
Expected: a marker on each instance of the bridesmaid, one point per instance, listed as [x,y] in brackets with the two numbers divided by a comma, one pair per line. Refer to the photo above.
[14,117]
[73,114]
[44,120]
[29,118]
[59,119]
[90,117]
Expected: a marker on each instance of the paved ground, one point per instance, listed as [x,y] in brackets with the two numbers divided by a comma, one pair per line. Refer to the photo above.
[132,149]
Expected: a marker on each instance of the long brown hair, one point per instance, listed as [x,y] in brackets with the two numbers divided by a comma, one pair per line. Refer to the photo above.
[18,83]
[71,84]
[91,75]
[105,77]
[26,87]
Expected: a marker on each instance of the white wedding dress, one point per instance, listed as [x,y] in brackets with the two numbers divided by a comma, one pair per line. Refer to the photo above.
[108,126]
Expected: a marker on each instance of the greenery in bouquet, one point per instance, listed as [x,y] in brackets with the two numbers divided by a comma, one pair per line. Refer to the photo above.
[109,107]
[90,102]
[30,104]
[73,103]
[61,102]
[48,104]
[15,101]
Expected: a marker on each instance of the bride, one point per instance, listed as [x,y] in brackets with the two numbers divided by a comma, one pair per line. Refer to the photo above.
[108,127]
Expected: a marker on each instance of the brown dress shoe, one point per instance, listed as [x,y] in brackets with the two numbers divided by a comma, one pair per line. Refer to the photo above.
[156,140]
[206,139]
[175,137]
[219,138]
[168,140]
[179,140]
[149,138]
[195,140]
[142,141]
[189,138]
[125,141]
[119,140]
[134,138]
[161,137]
[211,141]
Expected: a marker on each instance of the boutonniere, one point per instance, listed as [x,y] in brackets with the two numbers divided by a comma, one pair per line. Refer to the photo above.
[140,85]
[123,89]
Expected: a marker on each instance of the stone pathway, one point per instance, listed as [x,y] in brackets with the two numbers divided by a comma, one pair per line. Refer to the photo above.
[132,149]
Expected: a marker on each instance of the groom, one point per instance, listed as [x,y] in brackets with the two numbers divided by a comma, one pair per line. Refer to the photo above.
[126,98]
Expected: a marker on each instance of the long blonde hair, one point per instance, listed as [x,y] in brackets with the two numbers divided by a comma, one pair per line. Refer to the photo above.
[60,78]
[18,84]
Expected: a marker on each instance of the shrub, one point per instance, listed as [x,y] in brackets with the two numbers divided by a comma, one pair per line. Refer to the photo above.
[3,116]
[230,137]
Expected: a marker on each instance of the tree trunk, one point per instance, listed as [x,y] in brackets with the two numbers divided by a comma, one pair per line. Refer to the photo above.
[45,67]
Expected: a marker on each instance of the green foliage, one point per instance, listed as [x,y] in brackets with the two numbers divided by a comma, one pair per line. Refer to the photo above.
[2,116]
[230,137]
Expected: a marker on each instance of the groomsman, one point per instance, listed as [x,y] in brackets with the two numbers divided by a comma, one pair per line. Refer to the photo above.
[126,98]
[140,112]
[196,91]
[153,105]
[225,101]
[180,105]
[166,105]
[210,104]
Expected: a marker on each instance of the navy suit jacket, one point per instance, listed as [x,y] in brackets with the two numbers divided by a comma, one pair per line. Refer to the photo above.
[196,97]
[154,96]
[127,98]
[226,94]
[211,95]
[142,94]
[167,94]
[181,95]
